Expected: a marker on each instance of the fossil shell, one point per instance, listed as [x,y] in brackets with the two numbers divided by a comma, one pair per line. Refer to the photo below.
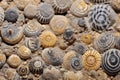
[32,28]
[79,8]
[2,60]
[61,6]
[111,61]
[52,56]
[24,52]
[91,60]
[101,17]
[105,41]
[2,15]
[32,43]
[68,34]
[71,61]
[45,13]
[11,15]
[51,73]
[48,39]
[36,65]
[11,34]
[100,1]
[14,60]
[87,38]
[58,24]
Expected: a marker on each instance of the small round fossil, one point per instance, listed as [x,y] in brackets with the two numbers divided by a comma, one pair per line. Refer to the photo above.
[52,56]
[105,41]
[11,15]
[36,65]
[71,61]
[111,61]
[48,39]
[45,13]
[11,34]
[2,15]
[58,24]
[14,60]
[24,52]
[91,60]
[86,38]
[61,6]
[79,8]
[68,34]
[101,17]
[32,43]
[32,28]
[2,60]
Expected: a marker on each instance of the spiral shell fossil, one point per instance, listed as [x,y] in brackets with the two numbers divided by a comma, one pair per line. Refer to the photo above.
[79,8]
[101,17]
[58,24]
[91,60]
[111,61]
[48,39]
[2,15]
[71,61]
[2,60]
[105,41]
[11,34]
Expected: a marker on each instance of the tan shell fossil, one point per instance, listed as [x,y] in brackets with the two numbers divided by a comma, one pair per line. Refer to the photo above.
[58,24]
[11,33]
[47,39]
[87,38]
[2,59]
[32,28]
[52,56]
[2,15]
[14,60]
[79,8]
[24,52]
[91,60]
[71,61]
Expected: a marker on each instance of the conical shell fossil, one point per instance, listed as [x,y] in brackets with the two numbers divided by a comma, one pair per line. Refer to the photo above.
[71,61]
[48,39]
[58,24]
[11,34]
[2,60]
[91,60]
[111,61]
[2,15]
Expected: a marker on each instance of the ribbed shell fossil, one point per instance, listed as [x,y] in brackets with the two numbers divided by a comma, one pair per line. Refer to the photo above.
[111,61]
[14,60]
[32,28]
[52,56]
[58,24]
[11,15]
[86,38]
[61,6]
[2,60]
[32,43]
[12,33]
[71,61]
[36,65]
[24,52]
[47,39]
[91,60]
[105,41]
[2,15]
[100,1]
[45,13]
[101,17]
[79,8]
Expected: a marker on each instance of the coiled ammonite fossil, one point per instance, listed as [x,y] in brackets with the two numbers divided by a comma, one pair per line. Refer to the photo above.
[2,60]
[36,65]
[12,33]
[2,15]
[32,28]
[100,1]
[45,13]
[79,8]
[91,60]
[105,41]
[101,17]
[71,61]
[52,56]
[61,6]
[111,61]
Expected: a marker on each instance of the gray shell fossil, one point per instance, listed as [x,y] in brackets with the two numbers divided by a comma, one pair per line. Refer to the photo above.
[101,17]
[111,61]
[68,34]
[2,15]
[117,45]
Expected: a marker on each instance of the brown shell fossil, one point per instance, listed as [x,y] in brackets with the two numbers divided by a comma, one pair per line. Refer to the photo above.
[12,33]
[91,60]
[47,39]
[2,59]
[58,24]
[2,15]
